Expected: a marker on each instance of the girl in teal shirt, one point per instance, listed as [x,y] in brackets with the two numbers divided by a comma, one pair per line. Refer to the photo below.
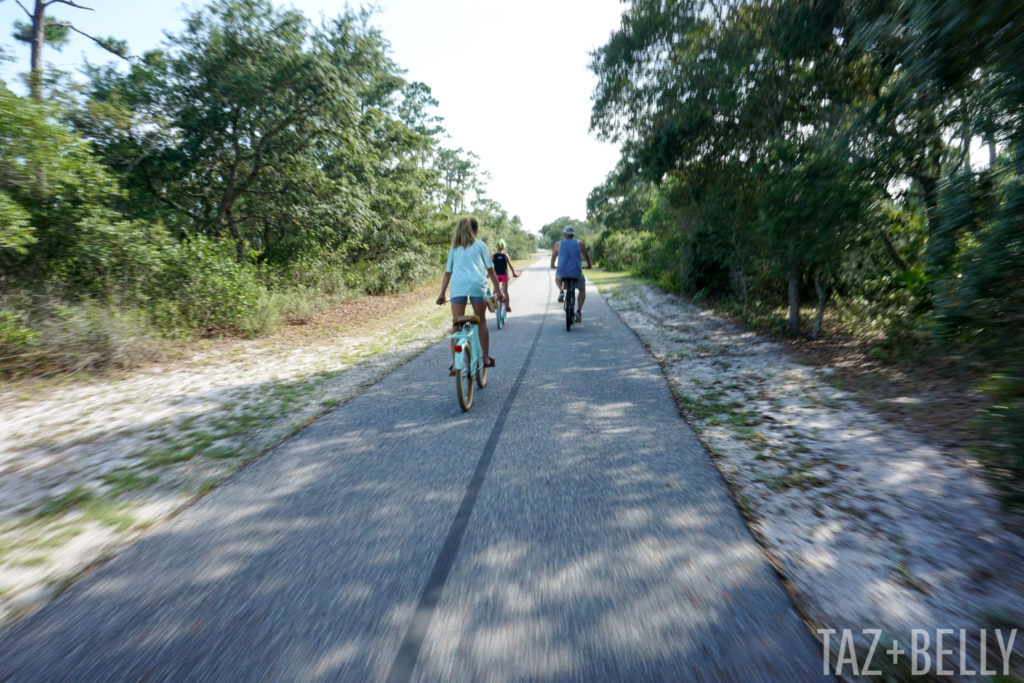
[469,266]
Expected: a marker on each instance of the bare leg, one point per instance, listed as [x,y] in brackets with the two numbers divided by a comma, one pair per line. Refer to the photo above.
[504,290]
[581,296]
[480,310]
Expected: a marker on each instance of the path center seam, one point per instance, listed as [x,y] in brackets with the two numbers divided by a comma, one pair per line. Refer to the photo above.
[409,650]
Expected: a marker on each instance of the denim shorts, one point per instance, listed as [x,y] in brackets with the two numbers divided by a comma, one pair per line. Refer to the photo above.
[465,299]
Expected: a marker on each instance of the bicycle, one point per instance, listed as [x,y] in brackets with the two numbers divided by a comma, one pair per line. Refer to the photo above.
[469,357]
[502,313]
[569,284]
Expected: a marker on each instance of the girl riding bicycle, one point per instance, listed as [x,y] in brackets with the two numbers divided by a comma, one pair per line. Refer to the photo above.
[502,265]
[469,266]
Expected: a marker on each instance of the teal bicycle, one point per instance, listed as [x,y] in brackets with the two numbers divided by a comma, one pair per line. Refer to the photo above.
[469,358]
[501,314]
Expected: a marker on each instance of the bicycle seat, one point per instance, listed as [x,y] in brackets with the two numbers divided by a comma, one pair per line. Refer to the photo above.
[467,319]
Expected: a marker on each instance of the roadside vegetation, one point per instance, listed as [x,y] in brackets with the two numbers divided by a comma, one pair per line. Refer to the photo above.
[255,170]
[851,170]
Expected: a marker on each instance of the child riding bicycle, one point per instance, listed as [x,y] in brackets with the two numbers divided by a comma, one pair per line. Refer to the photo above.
[469,266]
[502,266]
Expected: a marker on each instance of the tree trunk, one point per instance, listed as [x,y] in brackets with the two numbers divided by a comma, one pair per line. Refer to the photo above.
[233,230]
[35,77]
[930,194]
[744,291]
[794,289]
[822,299]
[794,304]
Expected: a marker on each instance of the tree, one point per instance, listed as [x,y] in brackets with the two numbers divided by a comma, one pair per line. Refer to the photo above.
[719,94]
[460,176]
[46,30]
[495,224]
[552,232]
[64,228]
[233,111]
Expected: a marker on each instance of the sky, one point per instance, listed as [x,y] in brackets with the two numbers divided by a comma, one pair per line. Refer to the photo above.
[511,79]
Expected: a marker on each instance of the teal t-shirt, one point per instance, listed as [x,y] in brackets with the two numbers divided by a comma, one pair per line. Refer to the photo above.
[468,266]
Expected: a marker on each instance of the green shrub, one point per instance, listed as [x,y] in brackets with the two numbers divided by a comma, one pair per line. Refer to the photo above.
[263,318]
[297,305]
[54,336]
[623,251]
[1003,418]
[321,272]
[13,332]
[18,343]
[212,291]
[388,275]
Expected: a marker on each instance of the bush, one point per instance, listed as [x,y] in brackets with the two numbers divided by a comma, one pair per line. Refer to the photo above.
[54,336]
[211,291]
[1004,420]
[624,251]
[390,275]
[297,305]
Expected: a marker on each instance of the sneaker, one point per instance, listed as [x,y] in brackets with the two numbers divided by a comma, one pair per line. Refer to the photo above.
[561,297]
[579,317]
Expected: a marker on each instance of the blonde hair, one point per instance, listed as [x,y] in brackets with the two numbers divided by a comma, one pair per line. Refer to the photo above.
[465,232]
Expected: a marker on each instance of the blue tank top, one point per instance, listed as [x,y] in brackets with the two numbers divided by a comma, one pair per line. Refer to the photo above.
[570,263]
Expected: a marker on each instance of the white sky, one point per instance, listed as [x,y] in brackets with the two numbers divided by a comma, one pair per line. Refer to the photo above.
[510,76]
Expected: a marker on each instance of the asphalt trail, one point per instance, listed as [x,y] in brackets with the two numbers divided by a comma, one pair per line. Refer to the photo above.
[568,527]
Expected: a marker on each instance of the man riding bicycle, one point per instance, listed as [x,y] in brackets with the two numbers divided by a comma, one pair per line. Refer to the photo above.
[570,253]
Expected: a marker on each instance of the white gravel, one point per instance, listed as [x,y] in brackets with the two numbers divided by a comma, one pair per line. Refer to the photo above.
[224,406]
[871,527]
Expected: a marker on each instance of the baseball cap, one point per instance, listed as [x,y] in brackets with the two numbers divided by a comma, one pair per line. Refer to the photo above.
[567,230]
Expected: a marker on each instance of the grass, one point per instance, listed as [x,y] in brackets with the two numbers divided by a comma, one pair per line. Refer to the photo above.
[125,479]
[94,507]
[708,406]
[58,505]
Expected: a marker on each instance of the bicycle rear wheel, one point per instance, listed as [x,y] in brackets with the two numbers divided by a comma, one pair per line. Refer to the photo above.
[481,374]
[501,314]
[570,305]
[464,382]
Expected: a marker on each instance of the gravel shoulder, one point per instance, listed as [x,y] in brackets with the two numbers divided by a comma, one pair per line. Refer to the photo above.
[88,465]
[871,526]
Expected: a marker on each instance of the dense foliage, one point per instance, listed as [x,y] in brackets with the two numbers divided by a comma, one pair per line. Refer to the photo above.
[552,232]
[779,151]
[253,168]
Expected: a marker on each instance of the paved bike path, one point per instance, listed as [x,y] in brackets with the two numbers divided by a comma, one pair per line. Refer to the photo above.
[568,527]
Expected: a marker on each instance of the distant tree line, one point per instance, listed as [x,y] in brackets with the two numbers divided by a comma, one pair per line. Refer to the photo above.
[253,168]
[862,154]
[583,230]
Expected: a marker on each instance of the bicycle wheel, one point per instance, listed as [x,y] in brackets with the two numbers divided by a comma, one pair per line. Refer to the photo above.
[464,382]
[481,374]
[570,305]
[501,314]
